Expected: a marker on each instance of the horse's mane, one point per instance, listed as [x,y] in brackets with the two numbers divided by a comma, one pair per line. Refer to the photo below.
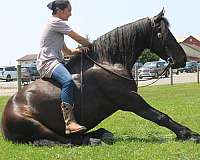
[118,45]
[123,44]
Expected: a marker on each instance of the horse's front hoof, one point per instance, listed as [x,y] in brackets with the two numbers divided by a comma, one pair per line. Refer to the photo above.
[195,138]
[108,138]
[94,142]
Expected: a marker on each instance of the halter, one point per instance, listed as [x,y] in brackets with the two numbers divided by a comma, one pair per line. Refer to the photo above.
[170,60]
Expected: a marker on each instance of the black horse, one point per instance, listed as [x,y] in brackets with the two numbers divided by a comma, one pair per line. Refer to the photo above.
[33,113]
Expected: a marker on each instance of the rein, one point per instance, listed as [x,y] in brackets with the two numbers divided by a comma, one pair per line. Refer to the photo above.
[82,85]
[163,72]
[109,71]
[127,78]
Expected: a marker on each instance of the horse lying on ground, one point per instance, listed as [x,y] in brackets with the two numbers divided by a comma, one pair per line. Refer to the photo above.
[33,113]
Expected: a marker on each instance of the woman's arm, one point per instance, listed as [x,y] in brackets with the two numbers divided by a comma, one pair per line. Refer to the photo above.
[79,38]
[67,51]
[86,44]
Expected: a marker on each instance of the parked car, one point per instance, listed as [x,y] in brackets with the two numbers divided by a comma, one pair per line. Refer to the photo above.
[33,73]
[8,73]
[25,75]
[136,66]
[153,69]
[174,70]
[190,67]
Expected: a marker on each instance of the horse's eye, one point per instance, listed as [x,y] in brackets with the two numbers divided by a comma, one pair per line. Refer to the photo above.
[159,35]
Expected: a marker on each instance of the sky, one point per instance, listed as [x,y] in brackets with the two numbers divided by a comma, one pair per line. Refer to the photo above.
[22,21]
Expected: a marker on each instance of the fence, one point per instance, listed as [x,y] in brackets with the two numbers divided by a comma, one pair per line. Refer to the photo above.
[173,78]
[11,87]
[24,76]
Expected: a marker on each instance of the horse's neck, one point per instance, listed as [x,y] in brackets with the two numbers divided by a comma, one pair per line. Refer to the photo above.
[142,42]
[124,44]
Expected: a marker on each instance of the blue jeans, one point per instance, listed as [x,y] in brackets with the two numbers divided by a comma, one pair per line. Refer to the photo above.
[63,76]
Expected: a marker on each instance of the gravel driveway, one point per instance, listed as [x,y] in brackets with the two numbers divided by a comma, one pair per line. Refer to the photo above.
[9,88]
[181,78]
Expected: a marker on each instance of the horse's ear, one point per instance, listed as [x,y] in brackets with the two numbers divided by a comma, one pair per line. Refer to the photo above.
[158,17]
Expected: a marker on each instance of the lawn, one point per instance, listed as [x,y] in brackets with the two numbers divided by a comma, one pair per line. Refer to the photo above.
[136,138]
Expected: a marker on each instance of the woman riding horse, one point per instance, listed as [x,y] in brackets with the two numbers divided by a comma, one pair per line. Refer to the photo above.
[50,59]
[25,117]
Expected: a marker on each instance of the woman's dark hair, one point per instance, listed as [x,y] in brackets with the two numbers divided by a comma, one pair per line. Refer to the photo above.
[58,4]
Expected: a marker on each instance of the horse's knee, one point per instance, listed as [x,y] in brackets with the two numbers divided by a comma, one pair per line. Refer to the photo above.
[163,119]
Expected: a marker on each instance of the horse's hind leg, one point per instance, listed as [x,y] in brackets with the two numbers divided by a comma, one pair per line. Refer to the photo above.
[35,132]
[137,104]
[48,135]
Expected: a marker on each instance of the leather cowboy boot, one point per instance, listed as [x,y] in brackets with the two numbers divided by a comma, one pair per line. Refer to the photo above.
[71,126]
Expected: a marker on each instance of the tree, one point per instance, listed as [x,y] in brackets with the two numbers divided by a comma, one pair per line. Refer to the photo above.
[147,56]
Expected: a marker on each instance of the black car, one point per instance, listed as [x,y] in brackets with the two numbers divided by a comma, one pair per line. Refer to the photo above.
[190,67]
[25,75]
[34,73]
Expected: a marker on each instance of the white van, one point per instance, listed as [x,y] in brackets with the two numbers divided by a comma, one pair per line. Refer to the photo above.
[8,73]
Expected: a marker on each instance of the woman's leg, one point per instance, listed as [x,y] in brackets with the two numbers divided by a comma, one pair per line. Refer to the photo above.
[62,75]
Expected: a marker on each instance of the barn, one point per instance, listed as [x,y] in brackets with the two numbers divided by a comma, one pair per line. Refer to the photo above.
[28,59]
[191,46]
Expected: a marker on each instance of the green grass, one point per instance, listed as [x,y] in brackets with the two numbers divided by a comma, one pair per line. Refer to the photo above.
[136,138]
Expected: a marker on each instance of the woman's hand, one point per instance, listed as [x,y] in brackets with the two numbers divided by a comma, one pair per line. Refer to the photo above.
[84,49]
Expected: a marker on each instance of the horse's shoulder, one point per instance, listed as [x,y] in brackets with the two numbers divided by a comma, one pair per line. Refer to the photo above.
[106,69]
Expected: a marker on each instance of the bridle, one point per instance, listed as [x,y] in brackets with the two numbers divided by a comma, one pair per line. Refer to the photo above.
[170,60]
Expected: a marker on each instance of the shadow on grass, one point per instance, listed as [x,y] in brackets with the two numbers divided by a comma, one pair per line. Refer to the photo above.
[149,139]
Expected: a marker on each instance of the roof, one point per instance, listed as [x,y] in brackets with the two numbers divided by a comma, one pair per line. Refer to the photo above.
[192,51]
[183,38]
[6,66]
[28,57]
[197,48]
[191,40]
